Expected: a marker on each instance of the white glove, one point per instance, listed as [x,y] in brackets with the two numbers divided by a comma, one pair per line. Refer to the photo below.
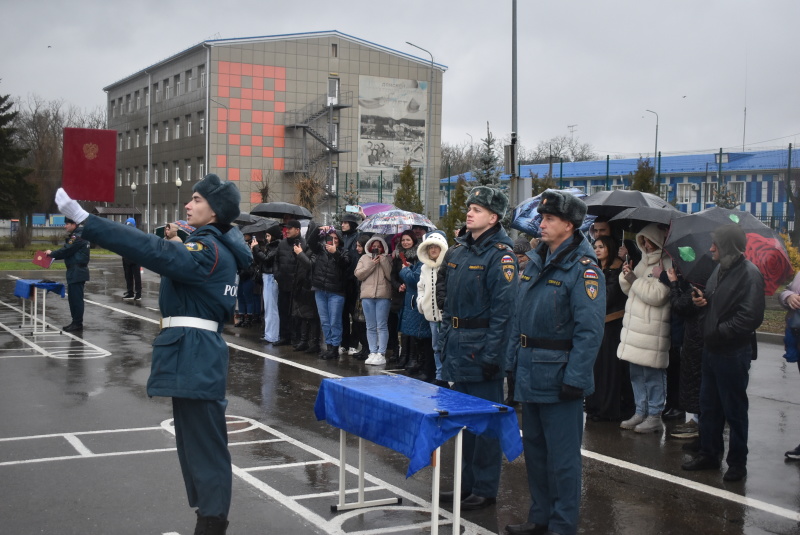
[71,209]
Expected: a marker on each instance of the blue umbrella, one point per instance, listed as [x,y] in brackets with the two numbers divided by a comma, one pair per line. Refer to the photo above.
[527,219]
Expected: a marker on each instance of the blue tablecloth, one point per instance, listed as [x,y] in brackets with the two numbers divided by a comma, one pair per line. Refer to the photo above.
[24,287]
[412,417]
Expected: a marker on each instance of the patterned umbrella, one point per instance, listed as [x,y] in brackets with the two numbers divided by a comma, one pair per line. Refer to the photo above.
[394,221]
[371,208]
[527,218]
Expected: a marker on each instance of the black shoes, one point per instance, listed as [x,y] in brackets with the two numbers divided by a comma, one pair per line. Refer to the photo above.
[441,383]
[282,342]
[447,496]
[735,472]
[72,327]
[528,528]
[302,346]
[701,462]
[128,295]
[331,353]
[473,502]
[793,455]
[672,414]
[210,525]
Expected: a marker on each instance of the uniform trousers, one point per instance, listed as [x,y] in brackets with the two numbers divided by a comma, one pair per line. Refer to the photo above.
[201,435]
[723,397]
[75,300]
[482,456]
[551,437]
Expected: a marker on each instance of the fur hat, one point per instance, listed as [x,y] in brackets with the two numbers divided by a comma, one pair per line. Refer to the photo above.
[563,205]
[490,198]
[223,197]
[435,237]
[351,218]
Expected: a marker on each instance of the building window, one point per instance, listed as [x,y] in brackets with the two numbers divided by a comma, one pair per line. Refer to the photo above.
[618,186]
[333,91]
[166,131]
[129,140]
[686,193]
[155,134]
[334,50]
[201,73]
[201,169]
[595,189]
[177,84]
[177,128]
[155,175]
[113,109]
[663,191]
[130,103]
[202,123]
[119,136]
[737,188]
[119,178]
[146,136]
[147,97]
[188,125]
[165,84]
[136,132]
[127,177]
[188,77]
[710,192]
[138,101]
[156,93]
[177,170]
[188,174]
[137,177]
[166,173]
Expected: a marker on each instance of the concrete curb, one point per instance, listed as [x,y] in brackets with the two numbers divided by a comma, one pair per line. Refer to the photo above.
[769,338]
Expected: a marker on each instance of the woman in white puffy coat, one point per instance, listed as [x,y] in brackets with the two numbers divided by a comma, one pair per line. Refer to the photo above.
[431,259]
[645,337]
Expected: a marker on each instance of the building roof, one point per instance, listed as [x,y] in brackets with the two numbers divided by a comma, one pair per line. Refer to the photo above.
[115,210]
[688,164]
[282,37]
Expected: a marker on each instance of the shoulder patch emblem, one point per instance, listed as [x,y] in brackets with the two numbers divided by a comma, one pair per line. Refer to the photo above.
[591,274]
[194,246]
[592,288]
[507,259]
[509,270]
[71,240]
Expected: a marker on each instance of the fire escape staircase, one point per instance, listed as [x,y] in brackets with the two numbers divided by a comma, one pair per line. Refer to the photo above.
[311,119]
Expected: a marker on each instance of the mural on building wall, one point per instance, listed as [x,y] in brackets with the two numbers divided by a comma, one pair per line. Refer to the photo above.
[392,117]
[253,95]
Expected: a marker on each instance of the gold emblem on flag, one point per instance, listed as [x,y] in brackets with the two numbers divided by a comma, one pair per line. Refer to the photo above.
[90,150]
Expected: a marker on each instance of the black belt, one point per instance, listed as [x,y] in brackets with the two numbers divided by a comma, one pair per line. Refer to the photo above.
[544,343]
[469,323]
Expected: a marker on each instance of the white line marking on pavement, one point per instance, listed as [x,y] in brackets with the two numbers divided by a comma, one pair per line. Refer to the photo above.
[78,445]
[700,487]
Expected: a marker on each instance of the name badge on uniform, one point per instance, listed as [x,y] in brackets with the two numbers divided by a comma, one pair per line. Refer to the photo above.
[553,282]
[452,265]
[524,277]
[477,267]
[194,246]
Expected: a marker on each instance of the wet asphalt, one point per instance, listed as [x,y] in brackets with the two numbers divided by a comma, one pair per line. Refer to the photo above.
[83,450]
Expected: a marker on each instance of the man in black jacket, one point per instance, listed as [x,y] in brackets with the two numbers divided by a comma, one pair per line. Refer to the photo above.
[285,267]
[734,309]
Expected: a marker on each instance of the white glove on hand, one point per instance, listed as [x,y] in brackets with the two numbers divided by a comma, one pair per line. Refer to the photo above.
[71,209]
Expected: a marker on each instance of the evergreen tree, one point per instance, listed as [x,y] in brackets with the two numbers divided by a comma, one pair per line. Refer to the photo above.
[17,195]
[643,179]
[457,211]
[406,196]
[489,167]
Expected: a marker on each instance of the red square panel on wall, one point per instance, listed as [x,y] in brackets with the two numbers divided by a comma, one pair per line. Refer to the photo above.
[256,141]
[277,164]
[280,107]
[236,68]
[280,85]
[268,152]
[258,70]
[236,80]
[258,83]
[224,92]
[256,175]
[247,69]
[233,174]
[255,197]
[236,115]
[224,67]
[234,139]
[245,151]
[220,160]
[245,129]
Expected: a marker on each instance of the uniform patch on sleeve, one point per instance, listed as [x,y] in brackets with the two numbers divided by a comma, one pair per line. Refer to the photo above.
[507,259]
[591,274]
[524,277]
[194,246]
[592,288]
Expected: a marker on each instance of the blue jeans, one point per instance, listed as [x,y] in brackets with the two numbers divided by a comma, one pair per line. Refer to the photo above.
[330,306]
[272,321]
[376,312]
[723,397]
[249,303]
[649,389]
[437,353]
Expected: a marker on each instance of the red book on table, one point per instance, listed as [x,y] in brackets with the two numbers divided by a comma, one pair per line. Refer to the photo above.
[90,159]
[40,258]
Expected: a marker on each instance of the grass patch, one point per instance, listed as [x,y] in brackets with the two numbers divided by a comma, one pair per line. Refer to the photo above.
[774,322]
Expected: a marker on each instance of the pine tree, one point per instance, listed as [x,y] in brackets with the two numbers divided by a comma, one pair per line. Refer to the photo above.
[406,196]
[457,211]
[17,195]
[643,179]
[488,171]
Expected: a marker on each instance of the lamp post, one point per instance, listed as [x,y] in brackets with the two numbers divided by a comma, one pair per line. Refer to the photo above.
[655,153]
[227,119]
[430,128]
[133,199]
[178,183]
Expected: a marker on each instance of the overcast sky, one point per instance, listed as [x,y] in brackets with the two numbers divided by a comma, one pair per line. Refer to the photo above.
[595,64]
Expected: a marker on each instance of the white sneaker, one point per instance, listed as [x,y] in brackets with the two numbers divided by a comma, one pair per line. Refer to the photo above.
[342,350]
[379,359]
[370,358]
[352,351]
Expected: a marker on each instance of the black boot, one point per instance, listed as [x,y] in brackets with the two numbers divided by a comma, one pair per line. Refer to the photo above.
[511,387]
[238,320]
[331,353]
[313,337]
[210,525]
[405,353]
[248,320]
[302,345]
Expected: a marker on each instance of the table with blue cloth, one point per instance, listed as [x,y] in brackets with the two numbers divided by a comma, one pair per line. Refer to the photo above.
[413,418]
[27,289]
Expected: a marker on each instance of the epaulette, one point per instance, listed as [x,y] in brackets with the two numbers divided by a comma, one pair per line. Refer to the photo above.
[586,260]
[456,246]
[503,247]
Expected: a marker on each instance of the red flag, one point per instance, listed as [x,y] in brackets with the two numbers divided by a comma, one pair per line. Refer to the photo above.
[90,159]
[40,258]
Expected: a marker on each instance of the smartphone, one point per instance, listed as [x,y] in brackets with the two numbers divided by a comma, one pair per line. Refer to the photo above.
[627,259]
[695,291]
[351,208]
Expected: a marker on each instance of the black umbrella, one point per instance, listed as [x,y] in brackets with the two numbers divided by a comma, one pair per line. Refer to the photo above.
[259,226]
[279,209]
[641,216]
[610,203]
[689,241]
[246,219]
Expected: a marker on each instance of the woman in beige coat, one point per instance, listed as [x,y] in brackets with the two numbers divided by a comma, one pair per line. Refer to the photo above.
[374,270]
[645,340]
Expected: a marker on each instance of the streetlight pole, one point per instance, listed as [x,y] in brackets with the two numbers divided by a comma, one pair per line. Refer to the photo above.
[430,130]
[133,200]
[227,119]
[178,183]
[655,154]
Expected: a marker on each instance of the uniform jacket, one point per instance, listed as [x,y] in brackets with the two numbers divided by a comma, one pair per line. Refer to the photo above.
[561,297]
[75,253]
[375,279]
[198,279]
[426,288]
[645,337]
[481,284]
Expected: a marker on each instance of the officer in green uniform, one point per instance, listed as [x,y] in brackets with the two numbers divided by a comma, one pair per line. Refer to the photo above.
[76,257]
[481,281]
[557,327]
[190,358]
